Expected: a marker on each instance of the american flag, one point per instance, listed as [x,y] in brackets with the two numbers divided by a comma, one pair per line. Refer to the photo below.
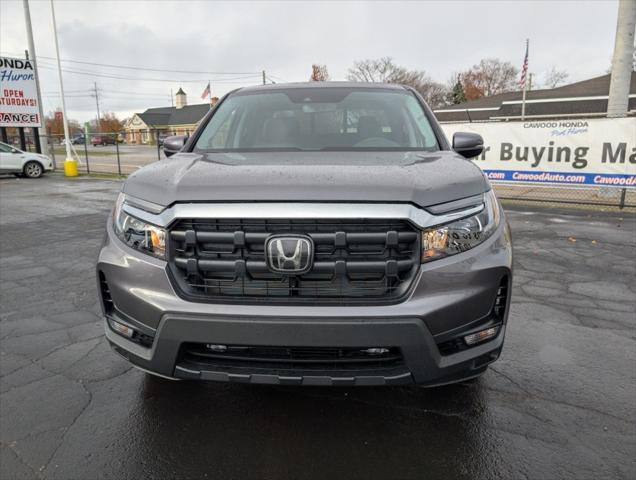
[206,92]
[524,69]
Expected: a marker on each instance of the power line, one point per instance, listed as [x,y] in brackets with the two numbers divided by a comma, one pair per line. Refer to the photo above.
[86,95]
[277,78]
[234,80]
[153,69]
[247,75]
[85,90]
[149,69]
[151,94]
[107,93]
[168,80]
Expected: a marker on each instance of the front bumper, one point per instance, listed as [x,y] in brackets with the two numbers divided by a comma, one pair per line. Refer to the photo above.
[451,297]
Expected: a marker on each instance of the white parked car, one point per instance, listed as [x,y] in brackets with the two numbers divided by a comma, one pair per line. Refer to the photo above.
[14,160]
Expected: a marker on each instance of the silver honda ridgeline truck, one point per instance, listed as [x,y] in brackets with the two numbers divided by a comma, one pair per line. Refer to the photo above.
[310,234]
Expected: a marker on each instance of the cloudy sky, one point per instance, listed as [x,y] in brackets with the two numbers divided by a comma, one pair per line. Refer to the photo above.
[185,43]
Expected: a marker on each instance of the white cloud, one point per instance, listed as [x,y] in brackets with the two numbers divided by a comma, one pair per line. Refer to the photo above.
[285,38]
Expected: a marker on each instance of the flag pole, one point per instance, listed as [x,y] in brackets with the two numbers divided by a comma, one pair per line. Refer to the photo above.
[525,87]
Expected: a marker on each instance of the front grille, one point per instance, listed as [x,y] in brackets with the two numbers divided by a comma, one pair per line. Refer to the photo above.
[364,261]
[281,358]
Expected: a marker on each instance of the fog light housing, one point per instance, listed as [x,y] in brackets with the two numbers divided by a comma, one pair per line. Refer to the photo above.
[122,329]
[216,347]
[481,336]
[376,351]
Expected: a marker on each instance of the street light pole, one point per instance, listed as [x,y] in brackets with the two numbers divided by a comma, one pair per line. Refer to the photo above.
[70,164]
[27,20]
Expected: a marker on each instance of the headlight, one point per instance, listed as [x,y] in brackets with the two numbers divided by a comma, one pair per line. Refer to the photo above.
[461,235]
[137,234]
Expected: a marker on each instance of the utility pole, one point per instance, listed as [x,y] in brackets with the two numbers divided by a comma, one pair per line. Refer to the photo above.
[264,78]
[171,98]
[96,95]
[70,164]
[623,59]
[42,147]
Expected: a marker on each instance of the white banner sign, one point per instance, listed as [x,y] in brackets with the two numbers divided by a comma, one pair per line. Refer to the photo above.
[19,103]
[598,152]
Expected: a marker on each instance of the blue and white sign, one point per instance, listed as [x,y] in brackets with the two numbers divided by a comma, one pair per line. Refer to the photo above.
[599,152]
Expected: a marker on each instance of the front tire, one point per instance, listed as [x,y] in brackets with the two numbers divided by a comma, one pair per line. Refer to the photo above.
[33,169]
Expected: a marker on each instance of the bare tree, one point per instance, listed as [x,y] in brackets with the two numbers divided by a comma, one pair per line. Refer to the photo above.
[386,71]
[489,77]
[554,77]
[380,70]
[319,73]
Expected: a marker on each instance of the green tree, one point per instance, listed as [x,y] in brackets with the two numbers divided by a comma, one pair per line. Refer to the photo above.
[457,94]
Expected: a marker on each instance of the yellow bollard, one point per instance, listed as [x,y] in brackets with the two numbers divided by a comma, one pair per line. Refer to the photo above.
[70,167]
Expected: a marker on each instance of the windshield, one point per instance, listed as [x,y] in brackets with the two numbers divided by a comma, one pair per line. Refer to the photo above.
[310,119]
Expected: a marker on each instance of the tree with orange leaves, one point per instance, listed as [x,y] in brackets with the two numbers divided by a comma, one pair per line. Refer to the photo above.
[109,123]
[319,73]
[54,123]
[490,76]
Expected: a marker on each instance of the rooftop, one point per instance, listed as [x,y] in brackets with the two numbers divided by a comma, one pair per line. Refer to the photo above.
[186,115]
[575,99]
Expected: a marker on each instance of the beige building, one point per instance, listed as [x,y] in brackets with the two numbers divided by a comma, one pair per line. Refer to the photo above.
[182,119]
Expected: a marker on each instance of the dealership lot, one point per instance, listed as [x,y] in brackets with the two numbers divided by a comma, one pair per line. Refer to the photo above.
[558,404]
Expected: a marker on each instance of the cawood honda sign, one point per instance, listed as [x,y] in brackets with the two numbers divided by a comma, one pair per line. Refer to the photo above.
[598,152]
[19,102]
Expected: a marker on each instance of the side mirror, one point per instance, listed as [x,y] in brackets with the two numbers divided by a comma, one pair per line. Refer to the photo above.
[172,145]
[469,145]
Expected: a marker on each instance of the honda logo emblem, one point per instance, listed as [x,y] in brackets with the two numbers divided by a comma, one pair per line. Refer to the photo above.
[289,254]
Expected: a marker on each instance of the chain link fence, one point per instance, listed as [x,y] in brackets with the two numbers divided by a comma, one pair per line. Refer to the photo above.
[572,196]
[123,153]
[117,153]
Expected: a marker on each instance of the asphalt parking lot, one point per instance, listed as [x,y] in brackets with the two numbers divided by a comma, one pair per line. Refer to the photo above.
[560,403]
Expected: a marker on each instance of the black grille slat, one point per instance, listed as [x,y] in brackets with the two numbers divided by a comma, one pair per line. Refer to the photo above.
[322,357]
[256,267]
[500,300]
[354,260]
[107,300]
[318,238]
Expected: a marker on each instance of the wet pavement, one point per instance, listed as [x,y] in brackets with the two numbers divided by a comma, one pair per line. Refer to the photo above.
[560,403]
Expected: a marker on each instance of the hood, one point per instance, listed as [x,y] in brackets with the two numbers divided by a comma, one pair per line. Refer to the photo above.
[421,178]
